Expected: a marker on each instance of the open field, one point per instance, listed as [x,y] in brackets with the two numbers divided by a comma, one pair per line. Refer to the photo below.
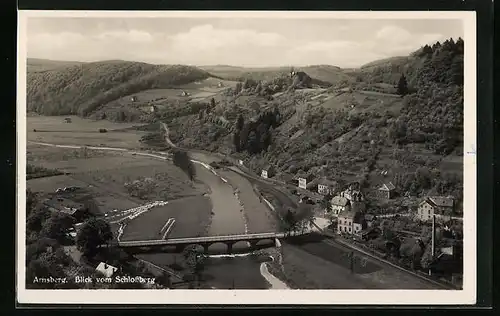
[307,263]
[52,129]
[192,218]
[145,182]
[115,182]
[51,184]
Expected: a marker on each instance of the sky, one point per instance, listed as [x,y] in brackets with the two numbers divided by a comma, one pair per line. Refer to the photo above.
[248,42]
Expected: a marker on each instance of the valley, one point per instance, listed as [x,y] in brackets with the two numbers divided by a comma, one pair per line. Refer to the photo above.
[100,125]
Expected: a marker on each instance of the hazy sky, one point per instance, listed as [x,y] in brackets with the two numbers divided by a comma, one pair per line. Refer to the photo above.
[239,42]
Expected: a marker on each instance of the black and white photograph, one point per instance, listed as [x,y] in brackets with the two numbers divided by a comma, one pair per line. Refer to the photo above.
[196,157]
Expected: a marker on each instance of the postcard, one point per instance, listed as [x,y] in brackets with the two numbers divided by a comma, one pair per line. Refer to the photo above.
[244,157]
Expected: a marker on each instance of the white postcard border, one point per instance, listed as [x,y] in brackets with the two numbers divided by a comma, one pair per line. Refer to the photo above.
[274,297]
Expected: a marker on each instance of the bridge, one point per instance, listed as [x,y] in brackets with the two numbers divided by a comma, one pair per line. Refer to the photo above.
[205,242]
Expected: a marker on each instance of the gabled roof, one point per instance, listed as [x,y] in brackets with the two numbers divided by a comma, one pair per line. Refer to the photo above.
[439,201]
[387,187]
[308,177]
[325,181]
[357,217]
[268,167]
[339,200]
[106,269]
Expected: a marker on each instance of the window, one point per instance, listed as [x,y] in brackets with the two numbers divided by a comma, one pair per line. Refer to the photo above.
[349,229]
[350,223]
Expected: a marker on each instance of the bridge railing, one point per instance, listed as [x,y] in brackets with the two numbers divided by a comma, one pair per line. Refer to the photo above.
[201,239]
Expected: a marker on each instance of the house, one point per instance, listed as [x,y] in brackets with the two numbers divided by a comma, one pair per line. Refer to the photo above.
[327,187]
[153,109]
[58,204]
[133,98]
[442,207]
[67,120]
[220,84]
[305,180]
[267,172]
[184,93]
[106,269]
[355,196]
[351,221]
[386,191]
[348,198]
[339,204]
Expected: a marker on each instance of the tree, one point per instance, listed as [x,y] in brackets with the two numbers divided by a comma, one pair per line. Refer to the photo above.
[194,259]
[290,221]
[56,226]
[92,234]
[212,103]
[165,280]
[182,160]
[236,141]
[31,201]
[238,88]
[240,122]
[36,219]
[402,86]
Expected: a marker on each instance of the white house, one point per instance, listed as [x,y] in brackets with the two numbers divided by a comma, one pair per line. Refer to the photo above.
[304,181]
[106,269]
[326,186]
[267,172]
[339,204]
[351,222]
[437,205]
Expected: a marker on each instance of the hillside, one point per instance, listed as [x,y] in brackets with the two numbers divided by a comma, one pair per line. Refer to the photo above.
[354,131]
[81,89]
[324,74]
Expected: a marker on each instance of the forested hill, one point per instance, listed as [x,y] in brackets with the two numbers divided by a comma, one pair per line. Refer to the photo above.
[80,89]
[357,130]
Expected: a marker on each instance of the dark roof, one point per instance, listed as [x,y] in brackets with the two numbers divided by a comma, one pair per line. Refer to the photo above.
[387,187]
[357,217]
[439,201]
[268,167]
[325,181]
[308,177]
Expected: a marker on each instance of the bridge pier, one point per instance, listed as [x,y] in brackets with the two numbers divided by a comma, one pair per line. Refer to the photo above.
[205,247]
[229,247]
[253,244]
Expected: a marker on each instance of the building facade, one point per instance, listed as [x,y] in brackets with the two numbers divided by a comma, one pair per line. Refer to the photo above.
[441,207]
[351,222]
[386,191]
[339,204]
[303,181]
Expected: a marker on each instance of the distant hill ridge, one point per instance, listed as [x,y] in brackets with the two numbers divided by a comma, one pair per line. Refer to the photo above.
[81,89]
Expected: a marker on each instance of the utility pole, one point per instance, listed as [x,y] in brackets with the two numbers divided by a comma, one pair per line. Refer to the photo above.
[433,241]
[351,261]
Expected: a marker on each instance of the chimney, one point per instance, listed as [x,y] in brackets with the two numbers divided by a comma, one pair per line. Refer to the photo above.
[106,266]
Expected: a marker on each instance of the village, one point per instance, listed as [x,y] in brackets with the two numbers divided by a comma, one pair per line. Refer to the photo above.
[429,226]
